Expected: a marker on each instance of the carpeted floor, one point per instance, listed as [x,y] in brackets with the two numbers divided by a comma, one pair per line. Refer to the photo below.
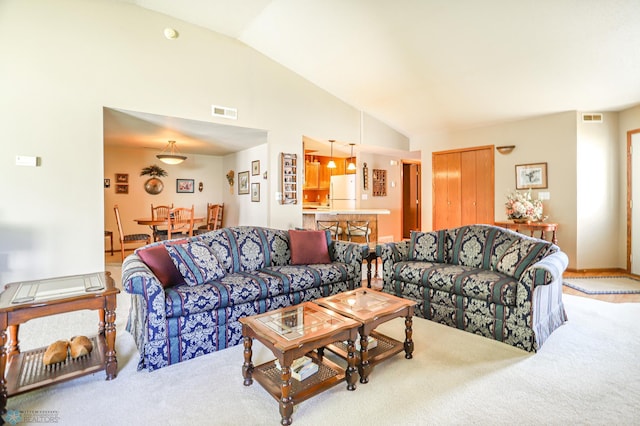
[604,285]
[586,373]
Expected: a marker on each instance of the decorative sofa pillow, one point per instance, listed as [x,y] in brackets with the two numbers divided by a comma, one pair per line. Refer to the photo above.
[428,246]
[520,255]
[195,261]
[158,260]
[308,247]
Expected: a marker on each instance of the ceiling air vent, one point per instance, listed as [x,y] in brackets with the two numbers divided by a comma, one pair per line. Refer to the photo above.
[224,112]
[592,117]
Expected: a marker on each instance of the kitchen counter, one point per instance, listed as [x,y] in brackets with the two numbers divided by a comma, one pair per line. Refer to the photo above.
[326,210]
[311,215]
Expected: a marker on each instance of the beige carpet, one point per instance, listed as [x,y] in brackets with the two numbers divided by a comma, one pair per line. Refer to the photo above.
[586,373]
[604,285]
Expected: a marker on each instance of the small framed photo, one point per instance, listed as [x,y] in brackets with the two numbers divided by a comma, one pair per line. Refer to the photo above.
[122,189]
[122,178]
[184,186]
[243,182]
[532,176]
[255,192]
[255,168]
[107,183]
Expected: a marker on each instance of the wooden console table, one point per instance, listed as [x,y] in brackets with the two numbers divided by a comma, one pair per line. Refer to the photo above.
[22,301]
[543,227]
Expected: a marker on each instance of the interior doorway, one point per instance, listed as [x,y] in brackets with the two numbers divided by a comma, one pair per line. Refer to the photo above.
[411,201]
[633,193]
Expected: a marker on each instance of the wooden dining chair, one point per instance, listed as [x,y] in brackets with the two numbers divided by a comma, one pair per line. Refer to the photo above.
[157,213]
[212,219]
[129,238]
[180,222]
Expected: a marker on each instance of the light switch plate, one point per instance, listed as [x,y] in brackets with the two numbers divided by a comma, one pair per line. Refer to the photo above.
[24,160]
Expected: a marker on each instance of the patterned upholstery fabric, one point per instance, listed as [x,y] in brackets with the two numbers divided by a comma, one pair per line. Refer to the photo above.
[255,275]
[482,279]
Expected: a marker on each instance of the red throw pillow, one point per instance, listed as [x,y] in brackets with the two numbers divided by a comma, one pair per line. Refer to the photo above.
[308,247]
[158,260]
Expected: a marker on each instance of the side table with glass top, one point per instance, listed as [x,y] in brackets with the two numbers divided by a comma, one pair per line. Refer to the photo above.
[22,301]
[290,333]
[372,308]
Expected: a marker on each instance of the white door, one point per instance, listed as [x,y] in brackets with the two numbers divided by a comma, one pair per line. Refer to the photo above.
[635,202]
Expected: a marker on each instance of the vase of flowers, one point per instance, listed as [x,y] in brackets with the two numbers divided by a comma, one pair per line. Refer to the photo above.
[521,208]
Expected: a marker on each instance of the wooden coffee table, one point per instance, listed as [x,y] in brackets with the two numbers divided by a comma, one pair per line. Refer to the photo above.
[372,308]
[22,301]
[290,333]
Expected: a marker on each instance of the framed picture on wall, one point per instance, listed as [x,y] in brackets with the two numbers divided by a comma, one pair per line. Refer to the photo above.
[122,189]
[184,186]
[243,182]
[255,168]
[255,192]
[122,178]
[532,176]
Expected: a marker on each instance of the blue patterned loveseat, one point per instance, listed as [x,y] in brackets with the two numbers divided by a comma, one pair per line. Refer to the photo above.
[228,274]
[482,279]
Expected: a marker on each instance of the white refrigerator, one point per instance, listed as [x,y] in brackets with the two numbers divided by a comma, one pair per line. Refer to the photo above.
[343,192]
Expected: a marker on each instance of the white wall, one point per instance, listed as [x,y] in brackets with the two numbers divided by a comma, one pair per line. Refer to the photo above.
[598,191]
[65,60]
[628,120]
[239,209]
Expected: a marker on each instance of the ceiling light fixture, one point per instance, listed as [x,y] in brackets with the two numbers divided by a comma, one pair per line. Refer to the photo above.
[331,164]
[170,154]
[352,164]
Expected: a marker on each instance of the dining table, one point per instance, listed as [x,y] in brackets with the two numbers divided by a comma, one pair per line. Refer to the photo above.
[154,223]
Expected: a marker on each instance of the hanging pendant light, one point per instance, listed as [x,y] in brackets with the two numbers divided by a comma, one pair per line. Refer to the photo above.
[331,164]
[170,154]
[352,164]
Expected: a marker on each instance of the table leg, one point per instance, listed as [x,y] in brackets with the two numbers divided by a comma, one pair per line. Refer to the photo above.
[350,374]
[286,400]
[408,342]
[14,347]
[365,367]
[3,364]
[111,361]
[369,271]
[247,366]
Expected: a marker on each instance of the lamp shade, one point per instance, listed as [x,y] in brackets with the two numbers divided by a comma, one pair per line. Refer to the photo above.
[331,164]
[352,164]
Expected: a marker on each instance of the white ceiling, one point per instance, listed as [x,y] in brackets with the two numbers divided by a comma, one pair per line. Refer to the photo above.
[425,66]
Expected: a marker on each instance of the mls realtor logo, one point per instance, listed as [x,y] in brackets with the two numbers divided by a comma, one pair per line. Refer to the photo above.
[13,417]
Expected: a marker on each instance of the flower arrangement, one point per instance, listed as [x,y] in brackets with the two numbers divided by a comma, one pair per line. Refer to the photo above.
[230,175]
[520,206]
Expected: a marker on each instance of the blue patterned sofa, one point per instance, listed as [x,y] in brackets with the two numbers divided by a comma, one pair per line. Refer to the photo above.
[242,271]
[482,279]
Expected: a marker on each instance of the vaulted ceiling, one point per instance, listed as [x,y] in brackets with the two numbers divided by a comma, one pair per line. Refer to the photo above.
[424,66]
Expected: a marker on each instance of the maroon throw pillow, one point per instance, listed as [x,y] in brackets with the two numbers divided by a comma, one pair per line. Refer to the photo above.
[158,260]
[308,247]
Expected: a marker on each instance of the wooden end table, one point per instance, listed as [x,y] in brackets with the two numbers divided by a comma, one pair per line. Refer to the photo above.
[372,308]
[22,301]
[290,333]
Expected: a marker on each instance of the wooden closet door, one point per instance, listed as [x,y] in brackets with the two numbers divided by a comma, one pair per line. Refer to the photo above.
[463,187]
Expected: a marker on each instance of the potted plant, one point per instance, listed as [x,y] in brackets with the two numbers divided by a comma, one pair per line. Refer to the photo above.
[153,185]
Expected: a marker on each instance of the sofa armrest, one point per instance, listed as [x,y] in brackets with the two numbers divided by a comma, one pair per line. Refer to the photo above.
[540,286]
[349,253]
[138,279]
[390,253]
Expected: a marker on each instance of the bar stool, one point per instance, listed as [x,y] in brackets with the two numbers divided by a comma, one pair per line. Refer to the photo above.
[331,225]
[358,228]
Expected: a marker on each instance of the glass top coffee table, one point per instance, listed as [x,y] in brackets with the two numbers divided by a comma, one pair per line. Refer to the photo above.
[291,333]
[372,308]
